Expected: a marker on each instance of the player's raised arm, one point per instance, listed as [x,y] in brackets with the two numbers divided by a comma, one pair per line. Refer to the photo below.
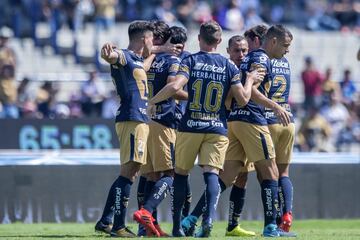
[242,93]
[280,112]
[148,61]
[109,54]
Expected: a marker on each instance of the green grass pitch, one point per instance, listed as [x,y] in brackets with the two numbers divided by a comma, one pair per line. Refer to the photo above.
[308,229]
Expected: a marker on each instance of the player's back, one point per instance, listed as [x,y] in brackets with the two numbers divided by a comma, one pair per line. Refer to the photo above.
[253,112]
[163,66]
[129,78]
[280,87]
[209,78]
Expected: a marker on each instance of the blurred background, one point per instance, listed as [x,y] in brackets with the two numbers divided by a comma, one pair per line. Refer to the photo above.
[56,93]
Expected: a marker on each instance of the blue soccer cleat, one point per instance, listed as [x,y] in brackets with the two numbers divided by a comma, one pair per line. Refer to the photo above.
[271,230]
[188,224]
[204,231]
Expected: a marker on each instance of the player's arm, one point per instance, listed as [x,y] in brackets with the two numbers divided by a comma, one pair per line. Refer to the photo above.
[280,112]
[170,89]
[174,49]
[242,93]
[109,54]
[181,94]
[228,100]
[148,61]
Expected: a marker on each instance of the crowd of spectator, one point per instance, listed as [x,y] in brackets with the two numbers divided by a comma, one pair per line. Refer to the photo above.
[317,15]
[331,111]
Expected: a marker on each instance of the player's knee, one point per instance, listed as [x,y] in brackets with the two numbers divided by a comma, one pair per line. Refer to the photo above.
[241,180]
[130,170]
[283,170]
[181,171]
[210,169]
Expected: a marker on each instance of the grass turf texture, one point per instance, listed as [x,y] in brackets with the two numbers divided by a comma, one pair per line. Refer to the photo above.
[309,229]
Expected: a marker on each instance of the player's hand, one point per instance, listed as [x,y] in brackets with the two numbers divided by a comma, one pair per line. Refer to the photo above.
[174,49]
[283,115]
[108,53]
[257,75]
[151,110]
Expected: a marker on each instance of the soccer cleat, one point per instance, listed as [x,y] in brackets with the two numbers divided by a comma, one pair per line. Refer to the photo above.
[286,221]
[188,224]
[178,233]
[144,217]
[204,231]
[162,233]
[123,233]
[104,228]
[286,234]
[271,230]
[239,232]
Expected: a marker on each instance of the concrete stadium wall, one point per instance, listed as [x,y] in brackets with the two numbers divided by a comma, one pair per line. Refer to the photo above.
[77,193]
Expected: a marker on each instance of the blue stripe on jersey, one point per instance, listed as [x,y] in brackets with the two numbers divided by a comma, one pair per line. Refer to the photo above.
[252,113]
[210,76]
[129,78]
[163,66]
[280,88]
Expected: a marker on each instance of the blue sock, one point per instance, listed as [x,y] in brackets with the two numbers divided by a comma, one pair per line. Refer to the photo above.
[179,194]
[108,211]
[141,191]
[148,188]
[279,206]
[158,193]
[212,194]
[269,195]
[201,204]
[237,200]
[187,204]
[121,199]
[287,192]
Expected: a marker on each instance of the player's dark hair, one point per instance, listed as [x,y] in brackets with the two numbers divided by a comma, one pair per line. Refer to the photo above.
[161,30]
[178,35]
[257,31]
[279,32]
[210,32]
[137,29]
[236,38]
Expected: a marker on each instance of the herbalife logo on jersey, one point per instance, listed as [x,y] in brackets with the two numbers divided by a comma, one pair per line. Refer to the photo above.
[209,68]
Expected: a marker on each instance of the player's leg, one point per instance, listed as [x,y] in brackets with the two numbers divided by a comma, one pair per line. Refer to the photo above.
[161,144]
[237,195]
[259,149]
[186,150]
[133,139]
[211,159]
[187,204]
[236,204]
[283,137]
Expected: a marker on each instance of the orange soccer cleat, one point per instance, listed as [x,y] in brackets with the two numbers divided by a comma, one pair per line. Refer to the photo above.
[144,217]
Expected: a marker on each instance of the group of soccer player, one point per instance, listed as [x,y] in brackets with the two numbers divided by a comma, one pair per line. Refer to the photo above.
[232,115]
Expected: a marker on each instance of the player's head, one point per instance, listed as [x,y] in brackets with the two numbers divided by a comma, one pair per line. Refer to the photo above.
[237,49]
[277,41]
[178,36]
[141,32]
[161,32]
[210,33]
[255,36]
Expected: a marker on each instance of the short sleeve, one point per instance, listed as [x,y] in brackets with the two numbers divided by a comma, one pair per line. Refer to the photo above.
[121,57]
[184,68]
[174,66]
